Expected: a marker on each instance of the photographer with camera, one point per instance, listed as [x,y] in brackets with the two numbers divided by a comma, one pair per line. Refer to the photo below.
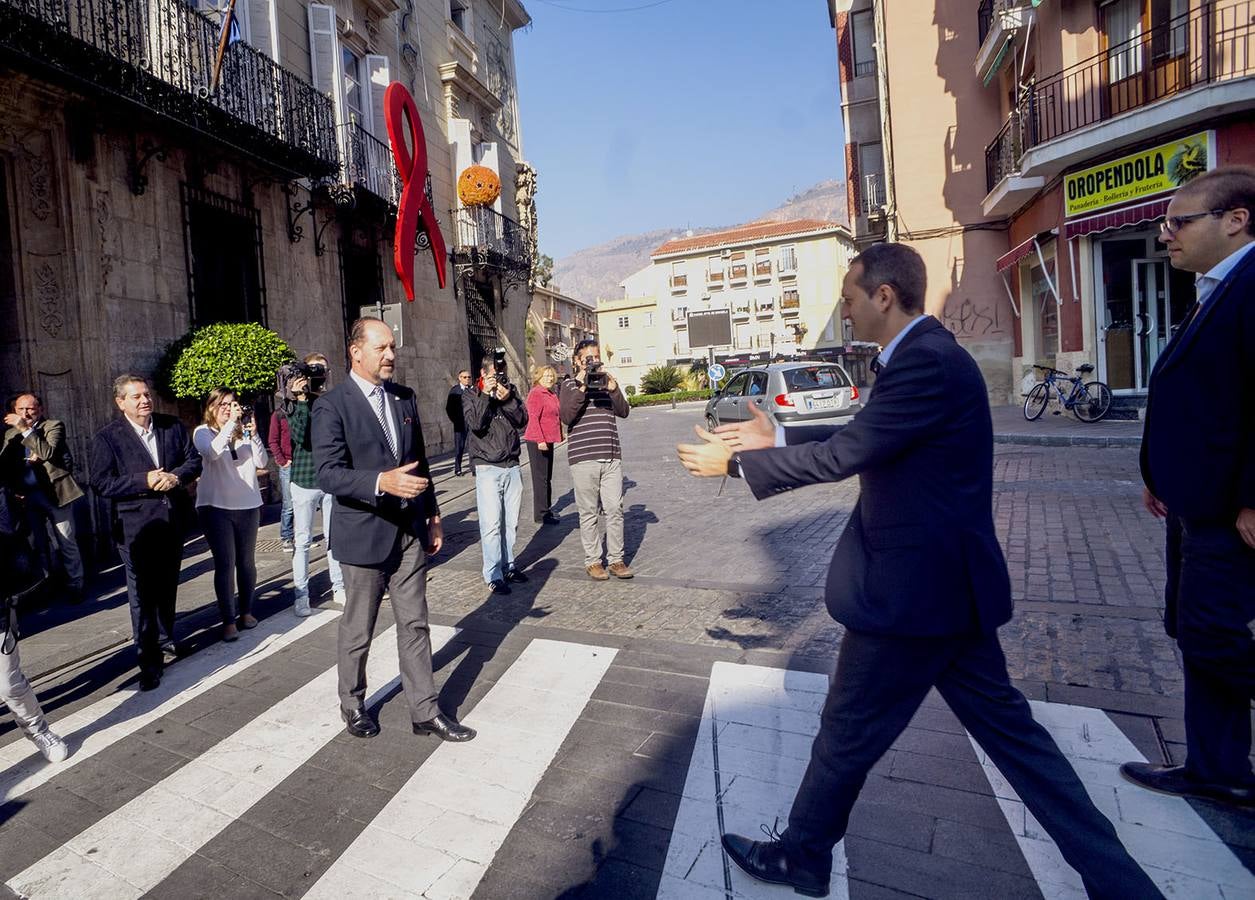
[228,502]
[494,416]
[305,385]
[589,403]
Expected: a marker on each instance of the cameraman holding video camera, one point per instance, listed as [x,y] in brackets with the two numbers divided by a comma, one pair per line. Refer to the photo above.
[305,382]
[589,404]
[494,417]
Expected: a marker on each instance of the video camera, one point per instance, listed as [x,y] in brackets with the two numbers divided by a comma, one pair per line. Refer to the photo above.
[597,378]
[291,371]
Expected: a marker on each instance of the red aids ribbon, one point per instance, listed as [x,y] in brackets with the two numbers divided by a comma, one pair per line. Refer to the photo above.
[414,208]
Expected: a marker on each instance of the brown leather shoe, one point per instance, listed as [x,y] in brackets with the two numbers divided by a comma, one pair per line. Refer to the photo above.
[597,572]
[620,570]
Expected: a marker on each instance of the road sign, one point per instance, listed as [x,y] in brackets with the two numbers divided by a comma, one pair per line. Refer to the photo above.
[715,372]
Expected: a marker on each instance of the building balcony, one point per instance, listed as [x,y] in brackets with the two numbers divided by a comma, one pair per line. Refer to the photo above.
[679,284]
[159,55]
[714,279]
[741,311]
[790,306]
[787,266]
[739,273]
[368,164]
[1183,72]
[1008,189]
[680,314]
[762,270]
[998,22]
[873,195]
[764,309]
[483,238]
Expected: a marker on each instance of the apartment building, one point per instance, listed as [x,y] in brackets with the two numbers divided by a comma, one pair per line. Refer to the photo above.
[630,331]
[1088,115]
[555,324]
[779,282]
[139,199]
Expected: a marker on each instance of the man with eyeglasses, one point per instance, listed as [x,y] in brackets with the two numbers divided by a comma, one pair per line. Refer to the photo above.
[1198,464]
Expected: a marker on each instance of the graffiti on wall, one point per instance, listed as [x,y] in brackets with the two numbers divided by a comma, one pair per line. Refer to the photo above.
[967,319]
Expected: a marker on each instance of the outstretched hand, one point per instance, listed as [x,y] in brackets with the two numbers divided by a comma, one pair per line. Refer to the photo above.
[400,483]
[708,458]
[756,433]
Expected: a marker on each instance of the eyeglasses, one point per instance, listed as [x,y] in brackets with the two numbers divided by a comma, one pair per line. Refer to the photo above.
[1172,224]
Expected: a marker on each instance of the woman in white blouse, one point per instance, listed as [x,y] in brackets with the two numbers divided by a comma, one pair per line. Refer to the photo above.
[229,504]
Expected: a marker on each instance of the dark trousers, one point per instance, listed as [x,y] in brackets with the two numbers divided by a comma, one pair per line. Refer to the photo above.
[232,538]
[879,684]
[541,462]
[459,447]
[404,575]
[153,561]
[1210,601]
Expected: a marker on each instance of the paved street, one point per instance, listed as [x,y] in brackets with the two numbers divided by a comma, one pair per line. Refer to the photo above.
[620,722]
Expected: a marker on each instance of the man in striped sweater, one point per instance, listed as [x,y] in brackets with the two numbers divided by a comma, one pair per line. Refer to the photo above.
[596,461]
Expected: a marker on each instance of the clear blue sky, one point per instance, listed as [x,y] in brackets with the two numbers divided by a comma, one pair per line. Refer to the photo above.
[692,112]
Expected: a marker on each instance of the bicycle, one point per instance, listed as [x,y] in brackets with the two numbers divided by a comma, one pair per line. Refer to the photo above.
[1089,402]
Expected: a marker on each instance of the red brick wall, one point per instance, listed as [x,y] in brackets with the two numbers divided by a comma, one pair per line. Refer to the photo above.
[845,53]
[852,198]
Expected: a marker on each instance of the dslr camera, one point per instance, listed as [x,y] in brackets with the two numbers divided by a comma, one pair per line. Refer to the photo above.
[291,371]
[596,376]
[499,367]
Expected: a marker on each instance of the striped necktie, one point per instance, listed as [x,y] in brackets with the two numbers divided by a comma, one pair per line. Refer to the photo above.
[377,396]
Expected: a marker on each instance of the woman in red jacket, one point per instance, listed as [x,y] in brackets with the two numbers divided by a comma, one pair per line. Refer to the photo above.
[543,434]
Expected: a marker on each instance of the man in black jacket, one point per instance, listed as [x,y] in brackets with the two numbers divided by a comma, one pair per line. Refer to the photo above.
[1198,464]
[919,582]
[494,417]
[143,462]
[453,409]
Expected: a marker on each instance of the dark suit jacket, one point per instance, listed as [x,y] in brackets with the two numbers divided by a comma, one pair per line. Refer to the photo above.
[453,408]
[56,472]
[119,471]
[1198,443]
[350,450]
[919,556]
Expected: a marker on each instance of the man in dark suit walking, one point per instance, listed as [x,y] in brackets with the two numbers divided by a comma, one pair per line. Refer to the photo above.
[368,448]
[918,580]
[143,462]
[453,409]
[1198,464]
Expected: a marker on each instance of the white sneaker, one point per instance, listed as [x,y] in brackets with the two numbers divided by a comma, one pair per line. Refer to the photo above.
[51,746]
[339,596]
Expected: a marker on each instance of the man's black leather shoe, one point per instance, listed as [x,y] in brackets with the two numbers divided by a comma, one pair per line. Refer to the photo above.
[1175,780]
[500,586]
[767,861]
[445,728]
[516,575]
[149,682]
[359,723]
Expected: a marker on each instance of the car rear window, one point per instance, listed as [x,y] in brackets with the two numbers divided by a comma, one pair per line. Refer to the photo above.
[815,378]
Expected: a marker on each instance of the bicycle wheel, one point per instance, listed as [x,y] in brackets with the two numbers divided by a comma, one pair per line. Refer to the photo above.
[1094,405]
[1035,402]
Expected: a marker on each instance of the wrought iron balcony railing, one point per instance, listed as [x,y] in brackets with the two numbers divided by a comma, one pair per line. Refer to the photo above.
[984,20]
[484,237]
[1002,155]
[368,164]
[160,54]
[873,194]
[1211,43]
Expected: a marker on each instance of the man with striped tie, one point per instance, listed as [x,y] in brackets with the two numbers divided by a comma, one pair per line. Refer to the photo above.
[368,447]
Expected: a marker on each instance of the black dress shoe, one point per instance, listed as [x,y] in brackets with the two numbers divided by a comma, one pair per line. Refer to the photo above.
[499,586]
[516,575]
[767,861]
[1176,781]
[445,728]
[149,682]
[359,723]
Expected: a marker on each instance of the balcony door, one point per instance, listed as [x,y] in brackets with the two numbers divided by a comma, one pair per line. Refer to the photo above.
[1146,43]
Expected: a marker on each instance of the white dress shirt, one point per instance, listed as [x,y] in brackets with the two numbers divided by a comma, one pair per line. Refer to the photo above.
[368,391]
[1207,283]
[226,482]
[148,438]
[888,349]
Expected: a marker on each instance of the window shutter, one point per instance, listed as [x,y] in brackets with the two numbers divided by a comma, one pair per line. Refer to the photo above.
[378,78]
[324,61]
[260,28]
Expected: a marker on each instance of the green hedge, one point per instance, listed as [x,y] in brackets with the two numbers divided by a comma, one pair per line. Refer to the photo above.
[657,399]
[242,356]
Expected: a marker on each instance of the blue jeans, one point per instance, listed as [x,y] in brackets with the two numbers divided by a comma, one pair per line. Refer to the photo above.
[498,496]
[285,490]
[305,502]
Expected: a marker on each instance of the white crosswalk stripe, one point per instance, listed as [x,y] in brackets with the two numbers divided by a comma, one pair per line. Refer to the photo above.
[130,851]
[105,722]
[439,833]
[1178,850]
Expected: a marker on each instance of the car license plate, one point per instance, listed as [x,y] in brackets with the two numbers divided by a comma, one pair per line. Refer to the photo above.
[813,403]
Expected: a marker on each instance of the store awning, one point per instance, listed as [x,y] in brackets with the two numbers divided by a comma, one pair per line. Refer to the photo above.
[1007,260]
[1131,215]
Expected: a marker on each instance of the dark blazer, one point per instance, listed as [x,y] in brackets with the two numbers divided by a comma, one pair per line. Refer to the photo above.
[56,472]
[453,407]
[1198,443]
[350,450]
[119,471]
[919,556]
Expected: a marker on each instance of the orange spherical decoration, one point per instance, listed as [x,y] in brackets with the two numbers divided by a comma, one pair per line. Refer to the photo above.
[478,186]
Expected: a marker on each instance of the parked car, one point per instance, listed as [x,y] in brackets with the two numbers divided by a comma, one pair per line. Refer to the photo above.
[793,394]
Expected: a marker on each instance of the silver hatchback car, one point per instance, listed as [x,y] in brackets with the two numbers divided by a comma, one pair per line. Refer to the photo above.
[793,393]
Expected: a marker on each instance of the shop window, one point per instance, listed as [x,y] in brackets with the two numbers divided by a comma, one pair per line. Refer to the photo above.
[1045,310]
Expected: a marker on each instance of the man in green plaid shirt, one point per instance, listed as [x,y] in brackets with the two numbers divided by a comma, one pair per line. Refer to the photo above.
[307,497]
